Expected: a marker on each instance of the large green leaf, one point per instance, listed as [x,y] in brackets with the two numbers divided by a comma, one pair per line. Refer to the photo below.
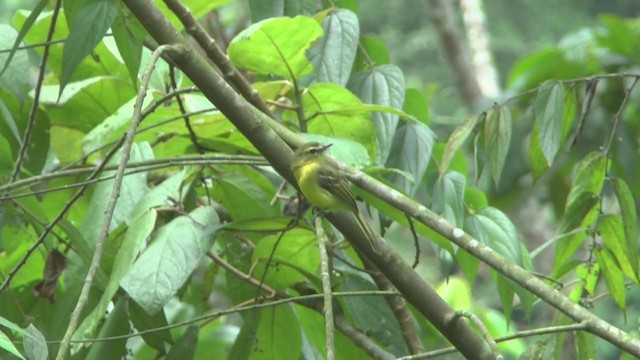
[613,276]
[497,132]
[370,314]
[612,232]
[494,229]
[448,195]
[138,232]
[276,46]
[293,260]
[588,175]
[323,103]
[35,345]
[411,153]
[142,321]
[133,188]
[185,347]
[14,116]
[237,187]
[549,103]
[382,85]
[549,63]
[278,335]
[537,157]
[6,344]
[129,35]
[116,324]
[93,19]
[581,212]
[332,57]
[374,53]
[14,76]
[168,262]
[627,205]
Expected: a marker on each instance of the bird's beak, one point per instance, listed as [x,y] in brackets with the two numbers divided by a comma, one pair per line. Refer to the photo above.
[325,147]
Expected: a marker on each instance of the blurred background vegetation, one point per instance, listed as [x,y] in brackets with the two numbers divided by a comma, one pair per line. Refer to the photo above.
[516,27]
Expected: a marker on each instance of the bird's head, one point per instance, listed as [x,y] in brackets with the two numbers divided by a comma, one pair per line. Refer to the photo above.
[311,151]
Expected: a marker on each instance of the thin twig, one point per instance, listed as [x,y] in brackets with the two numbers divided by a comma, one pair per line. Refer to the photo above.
[236,309]
[54,222]
[414,233]
[183,111]
[399,308]
[325,276]
[215,54]
[483,330]
[117,183]
[36,97]
[216,159]
[520,334]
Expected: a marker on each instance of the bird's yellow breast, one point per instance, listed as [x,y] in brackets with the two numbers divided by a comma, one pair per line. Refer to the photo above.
[307,176]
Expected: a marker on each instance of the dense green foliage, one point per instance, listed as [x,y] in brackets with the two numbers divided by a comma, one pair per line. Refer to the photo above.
[201,218]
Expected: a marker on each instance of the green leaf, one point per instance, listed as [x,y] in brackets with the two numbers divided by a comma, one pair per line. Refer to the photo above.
[497,132]
[588,176]
[586,345]
[475,199]
[630,221]
[14,77]
[276,46]
[581,212]
[549,63]
[494,229]
[383,85]
[549,109]
[170,259]
[33,15]
[143,321]
[411,153]
[448,197]
[613,276]
[277,336]
[6,344]
[100,135]
[369,314]
[536,156]
[295,258]
[328,100]
[93,19]
[415,104]
[117,323]
[185,347]
[35,345]
[459,135]
[162,195]
[332,57]
[376,54]
[612,232]
[134,186]
[138,232]
[505,292]
[129,35]
[238,187]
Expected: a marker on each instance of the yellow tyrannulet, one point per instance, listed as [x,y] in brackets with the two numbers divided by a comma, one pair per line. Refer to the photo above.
[324,186]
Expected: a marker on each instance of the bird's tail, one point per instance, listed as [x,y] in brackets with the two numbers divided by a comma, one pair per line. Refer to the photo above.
[372,236]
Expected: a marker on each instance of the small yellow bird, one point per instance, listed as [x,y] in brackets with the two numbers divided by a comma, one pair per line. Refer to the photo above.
[324,186]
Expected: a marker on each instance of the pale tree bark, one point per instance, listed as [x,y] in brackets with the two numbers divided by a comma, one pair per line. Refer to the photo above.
[474,20]
[453,44]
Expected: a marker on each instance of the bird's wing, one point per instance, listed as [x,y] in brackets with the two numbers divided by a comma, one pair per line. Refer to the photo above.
[338,185]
